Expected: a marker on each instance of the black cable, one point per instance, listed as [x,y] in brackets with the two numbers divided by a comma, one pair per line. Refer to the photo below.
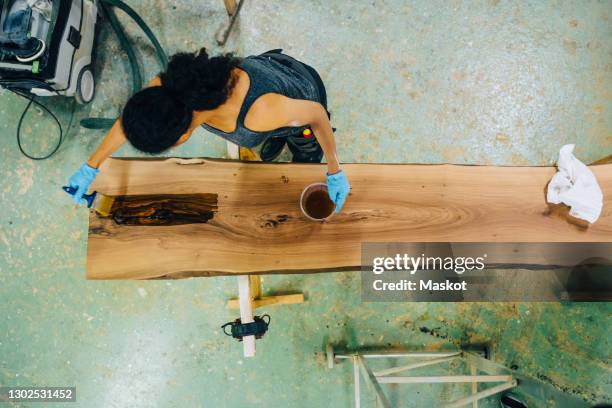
[17,86]
[32,100]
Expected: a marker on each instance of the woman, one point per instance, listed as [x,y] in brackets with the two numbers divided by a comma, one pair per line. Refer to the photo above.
[270,98]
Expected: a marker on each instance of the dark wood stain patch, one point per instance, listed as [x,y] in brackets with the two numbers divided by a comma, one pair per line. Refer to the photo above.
[164,209]
[274,221]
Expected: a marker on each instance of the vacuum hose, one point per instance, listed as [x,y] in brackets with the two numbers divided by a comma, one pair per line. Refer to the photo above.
[107,7]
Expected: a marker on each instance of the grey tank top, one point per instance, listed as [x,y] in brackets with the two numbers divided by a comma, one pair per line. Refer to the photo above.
[267,75]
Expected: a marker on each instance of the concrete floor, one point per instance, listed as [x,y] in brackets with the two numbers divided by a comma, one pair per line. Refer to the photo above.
[486,82]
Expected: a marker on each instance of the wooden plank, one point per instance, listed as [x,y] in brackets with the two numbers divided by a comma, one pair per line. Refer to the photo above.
[258,227]
[373,382]
[230,6]
[474,371]
[424,363]
[603,160]
[445,379]
[246,313]
[292,299]
[233,150]
[164,209]
[475,397]
[248,154]
[255,282]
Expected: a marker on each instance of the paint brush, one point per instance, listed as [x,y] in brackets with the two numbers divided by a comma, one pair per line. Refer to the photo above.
[99,202]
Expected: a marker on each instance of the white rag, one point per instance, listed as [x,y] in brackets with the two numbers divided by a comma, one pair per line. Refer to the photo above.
[576,186]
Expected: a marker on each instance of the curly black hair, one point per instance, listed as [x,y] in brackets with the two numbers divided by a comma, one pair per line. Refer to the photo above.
[155,118]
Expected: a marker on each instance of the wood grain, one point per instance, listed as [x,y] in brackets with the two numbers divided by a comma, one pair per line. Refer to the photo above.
[163,209]
[258,227]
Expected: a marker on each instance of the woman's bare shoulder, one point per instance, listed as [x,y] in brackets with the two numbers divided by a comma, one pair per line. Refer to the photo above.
[270,111]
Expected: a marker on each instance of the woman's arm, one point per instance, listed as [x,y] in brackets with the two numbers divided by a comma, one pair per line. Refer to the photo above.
[322,129]
[304,112]
[282,111]
[113,141]
[86,174]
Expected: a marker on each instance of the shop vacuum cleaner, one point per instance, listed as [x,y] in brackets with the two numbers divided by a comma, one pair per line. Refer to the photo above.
[46,47]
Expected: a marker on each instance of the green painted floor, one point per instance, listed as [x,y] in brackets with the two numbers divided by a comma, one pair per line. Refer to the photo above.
[477,82]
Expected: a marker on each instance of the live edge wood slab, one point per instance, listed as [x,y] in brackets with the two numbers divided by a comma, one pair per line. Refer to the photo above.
[178,218]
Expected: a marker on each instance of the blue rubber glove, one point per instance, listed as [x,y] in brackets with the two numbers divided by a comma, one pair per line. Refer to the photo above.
[338,188]
[81,180]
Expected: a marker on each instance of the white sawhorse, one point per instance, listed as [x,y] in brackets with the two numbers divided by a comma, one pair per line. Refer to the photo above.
[482,371]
